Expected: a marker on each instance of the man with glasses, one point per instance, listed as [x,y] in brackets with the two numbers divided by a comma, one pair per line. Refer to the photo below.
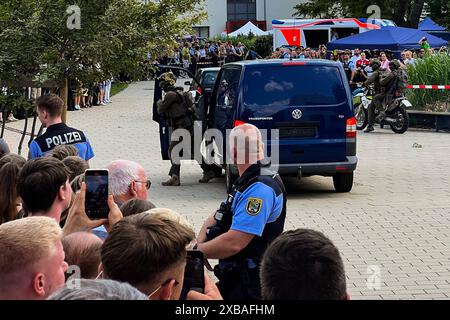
[127,180]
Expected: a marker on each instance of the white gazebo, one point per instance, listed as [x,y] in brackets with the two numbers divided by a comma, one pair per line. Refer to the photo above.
[248,28]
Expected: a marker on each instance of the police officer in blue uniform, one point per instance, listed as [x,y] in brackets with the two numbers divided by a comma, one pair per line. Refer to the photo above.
[49,110]
[251,217]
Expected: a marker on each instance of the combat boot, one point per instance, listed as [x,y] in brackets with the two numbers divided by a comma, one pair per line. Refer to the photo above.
[369,129]
[207,176]
[174,181]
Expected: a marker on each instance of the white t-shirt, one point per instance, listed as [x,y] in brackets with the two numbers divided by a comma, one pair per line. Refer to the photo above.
[353,60]
[409,61]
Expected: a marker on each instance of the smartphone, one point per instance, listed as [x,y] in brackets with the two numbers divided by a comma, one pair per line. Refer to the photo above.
[194,273]
[97,190]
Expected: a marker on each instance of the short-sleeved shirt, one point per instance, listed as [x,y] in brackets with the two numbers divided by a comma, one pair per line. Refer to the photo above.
[259,204]
[59,134]
[255,207]
[362,63]
[353,61]
[258,207]
[425,45]
[409,61]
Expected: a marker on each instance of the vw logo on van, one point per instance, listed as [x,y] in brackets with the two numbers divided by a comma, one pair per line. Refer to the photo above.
[297,114]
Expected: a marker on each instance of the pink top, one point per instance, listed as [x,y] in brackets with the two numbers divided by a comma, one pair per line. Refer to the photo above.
[385,65]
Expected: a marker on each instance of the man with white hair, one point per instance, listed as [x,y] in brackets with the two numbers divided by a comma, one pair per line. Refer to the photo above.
[251,217]
[32,262]
[127,180]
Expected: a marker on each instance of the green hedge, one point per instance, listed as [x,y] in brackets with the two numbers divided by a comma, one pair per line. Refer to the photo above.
[433,69]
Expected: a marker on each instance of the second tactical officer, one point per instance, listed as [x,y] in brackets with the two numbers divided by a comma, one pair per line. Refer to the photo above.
[392,83]
[251,217]
[378,98]
[181,115]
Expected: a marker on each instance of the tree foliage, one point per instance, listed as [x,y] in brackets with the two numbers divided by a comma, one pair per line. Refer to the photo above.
[439,11]
[402,12]
[114,36]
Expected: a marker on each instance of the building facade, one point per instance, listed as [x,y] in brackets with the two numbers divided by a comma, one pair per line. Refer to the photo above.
[225,16]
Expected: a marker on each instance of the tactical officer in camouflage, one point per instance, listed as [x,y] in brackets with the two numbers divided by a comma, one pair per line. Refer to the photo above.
[174,107]
[393,84]
[379,95]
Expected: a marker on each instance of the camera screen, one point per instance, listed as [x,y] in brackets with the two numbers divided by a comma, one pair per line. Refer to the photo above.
[194,270]
[97,195]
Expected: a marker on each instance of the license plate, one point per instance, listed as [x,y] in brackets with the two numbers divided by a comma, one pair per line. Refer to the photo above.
[308,132]
[407,104]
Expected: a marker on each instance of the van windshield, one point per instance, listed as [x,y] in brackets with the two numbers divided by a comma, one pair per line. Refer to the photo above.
[293,86]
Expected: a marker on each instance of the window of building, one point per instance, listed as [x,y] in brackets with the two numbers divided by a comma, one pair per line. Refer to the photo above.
[241,10]
[201,32]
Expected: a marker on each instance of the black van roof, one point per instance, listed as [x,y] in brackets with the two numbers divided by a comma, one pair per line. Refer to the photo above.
[284,62]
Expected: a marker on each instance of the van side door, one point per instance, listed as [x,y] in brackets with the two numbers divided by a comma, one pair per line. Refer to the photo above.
[225,98]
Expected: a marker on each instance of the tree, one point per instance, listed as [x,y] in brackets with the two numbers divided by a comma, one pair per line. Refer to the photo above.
[87,40]
[402,12]
[439,11]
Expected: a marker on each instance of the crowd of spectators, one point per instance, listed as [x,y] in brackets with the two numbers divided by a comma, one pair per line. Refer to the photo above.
[138,252]
[88,95]
[356,62]
[196,54]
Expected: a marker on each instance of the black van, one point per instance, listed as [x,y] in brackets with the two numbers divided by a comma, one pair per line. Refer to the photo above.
[308,101]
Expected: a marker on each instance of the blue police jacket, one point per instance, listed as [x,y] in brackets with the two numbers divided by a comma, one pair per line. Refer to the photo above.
[59,134]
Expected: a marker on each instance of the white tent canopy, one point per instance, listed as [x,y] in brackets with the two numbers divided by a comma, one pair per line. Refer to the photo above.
[248,28]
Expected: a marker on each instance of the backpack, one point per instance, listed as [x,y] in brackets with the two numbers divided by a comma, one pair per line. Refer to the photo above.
[189,103]
[383,73]
[402,80]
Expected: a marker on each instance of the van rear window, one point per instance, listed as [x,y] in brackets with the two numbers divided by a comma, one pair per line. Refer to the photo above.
[293,86]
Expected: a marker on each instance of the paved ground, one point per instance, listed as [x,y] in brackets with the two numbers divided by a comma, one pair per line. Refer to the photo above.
[396,219]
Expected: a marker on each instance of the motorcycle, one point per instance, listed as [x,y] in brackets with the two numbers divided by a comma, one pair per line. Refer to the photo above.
[394,114]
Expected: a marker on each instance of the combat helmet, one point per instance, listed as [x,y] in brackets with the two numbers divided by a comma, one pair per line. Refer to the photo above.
[375,64]
[394,64]
[167,78]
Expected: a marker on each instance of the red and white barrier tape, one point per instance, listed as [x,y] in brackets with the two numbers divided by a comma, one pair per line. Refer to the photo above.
[431,86]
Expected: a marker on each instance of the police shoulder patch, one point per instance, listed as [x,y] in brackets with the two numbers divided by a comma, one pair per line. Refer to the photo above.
[254,206]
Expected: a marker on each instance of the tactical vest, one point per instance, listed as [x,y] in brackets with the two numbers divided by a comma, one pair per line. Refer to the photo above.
[224,216]
[178,113]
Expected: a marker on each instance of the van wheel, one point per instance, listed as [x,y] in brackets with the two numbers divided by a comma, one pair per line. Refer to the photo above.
[230,178]
[343,182]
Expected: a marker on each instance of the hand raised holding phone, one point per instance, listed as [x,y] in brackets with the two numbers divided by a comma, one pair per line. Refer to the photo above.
[211,292]
[77,220]
[97,190]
